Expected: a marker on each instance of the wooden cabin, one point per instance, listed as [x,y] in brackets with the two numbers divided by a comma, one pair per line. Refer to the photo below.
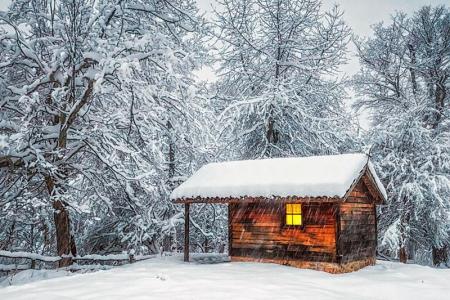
[310,212]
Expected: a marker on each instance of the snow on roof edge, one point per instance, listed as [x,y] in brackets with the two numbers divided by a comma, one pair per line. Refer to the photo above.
[377,179]
[313,176]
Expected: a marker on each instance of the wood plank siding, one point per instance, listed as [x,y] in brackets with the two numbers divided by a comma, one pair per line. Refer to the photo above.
[336,237]
[358,236]
[258,230]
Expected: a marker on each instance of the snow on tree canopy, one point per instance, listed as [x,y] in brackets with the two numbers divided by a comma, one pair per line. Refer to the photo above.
[314,176]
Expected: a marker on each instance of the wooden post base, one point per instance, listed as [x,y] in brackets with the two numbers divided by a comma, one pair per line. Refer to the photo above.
[186,232]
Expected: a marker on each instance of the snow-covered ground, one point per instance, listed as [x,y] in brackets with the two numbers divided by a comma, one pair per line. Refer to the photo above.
[28,276]
[170,278]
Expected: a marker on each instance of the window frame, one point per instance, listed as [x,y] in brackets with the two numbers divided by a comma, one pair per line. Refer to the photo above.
[284,214]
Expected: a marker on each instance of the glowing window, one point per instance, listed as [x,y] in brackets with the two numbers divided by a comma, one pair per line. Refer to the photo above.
[294,214]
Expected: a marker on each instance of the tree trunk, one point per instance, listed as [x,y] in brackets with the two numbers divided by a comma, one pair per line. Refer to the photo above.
[65,243]
[440,255]
[10,239]
[167,244]
[403,255]
[412,70]
[171,171]
[271,133]
[440,96]
[404,233]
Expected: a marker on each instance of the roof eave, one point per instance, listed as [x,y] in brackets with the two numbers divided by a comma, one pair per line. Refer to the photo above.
[275,199]
[374,184]
[366,170]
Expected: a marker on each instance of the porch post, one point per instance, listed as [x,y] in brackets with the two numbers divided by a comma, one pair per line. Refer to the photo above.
[186,232]
[230,232]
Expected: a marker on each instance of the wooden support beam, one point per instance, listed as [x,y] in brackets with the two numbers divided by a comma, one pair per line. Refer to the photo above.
[338,232]
[270,200]
[186,232]
[230,231]
[376,226]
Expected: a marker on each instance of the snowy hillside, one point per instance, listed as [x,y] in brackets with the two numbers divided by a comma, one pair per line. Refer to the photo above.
[170,278]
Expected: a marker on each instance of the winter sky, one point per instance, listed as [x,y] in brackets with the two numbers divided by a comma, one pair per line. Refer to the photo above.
[4,4]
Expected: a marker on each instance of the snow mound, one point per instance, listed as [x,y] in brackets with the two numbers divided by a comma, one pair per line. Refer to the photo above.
[314,176]
[28,276]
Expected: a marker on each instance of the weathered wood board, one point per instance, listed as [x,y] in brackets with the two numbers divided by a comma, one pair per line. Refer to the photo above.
[258,230]
[358,230]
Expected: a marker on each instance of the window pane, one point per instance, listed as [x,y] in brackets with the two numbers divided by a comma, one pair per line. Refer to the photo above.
[289,208]
[296,208]
[288,219]
[297,220]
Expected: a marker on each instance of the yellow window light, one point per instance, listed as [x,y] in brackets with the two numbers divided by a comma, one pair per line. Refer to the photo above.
[294,214]
[297,220]
[289,208]
[289,220]
[296,208]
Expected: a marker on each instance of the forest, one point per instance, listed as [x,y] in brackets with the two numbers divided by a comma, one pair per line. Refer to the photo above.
[102,115]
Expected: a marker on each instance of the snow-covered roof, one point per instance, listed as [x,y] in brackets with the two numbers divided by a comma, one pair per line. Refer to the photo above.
[314,176]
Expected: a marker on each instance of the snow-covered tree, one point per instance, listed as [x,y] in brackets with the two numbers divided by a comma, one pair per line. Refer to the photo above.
[99,116]
[279,89]
[404,82]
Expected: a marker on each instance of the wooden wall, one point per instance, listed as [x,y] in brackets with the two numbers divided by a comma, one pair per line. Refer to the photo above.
[358,230]
[257,230]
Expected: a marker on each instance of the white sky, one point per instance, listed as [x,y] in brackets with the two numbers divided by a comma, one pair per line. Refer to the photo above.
[4,4]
